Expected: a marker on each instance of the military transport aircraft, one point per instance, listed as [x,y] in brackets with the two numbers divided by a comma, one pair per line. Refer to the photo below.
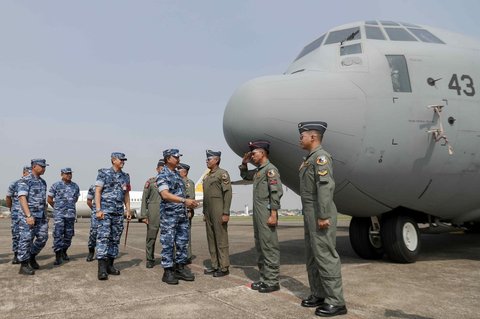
[402,105]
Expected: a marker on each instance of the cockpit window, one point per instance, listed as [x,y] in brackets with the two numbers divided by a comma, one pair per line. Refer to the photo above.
[399,34]
[410,25]
[351,49]
[425,36]
[374,33]
[371,22]
[343,35]
[310,47]
[399,73]
[389,23]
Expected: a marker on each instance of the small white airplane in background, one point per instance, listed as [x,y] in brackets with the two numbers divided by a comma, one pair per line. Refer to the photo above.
[402,104]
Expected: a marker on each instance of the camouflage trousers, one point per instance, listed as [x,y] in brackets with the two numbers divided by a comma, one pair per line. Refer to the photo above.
[15,232]
[92,238]
[173,234]
[109,231]
[32,239]
[63,231]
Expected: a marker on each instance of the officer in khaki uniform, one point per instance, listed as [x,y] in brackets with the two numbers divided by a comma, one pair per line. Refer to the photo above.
[150,214]
[217,198]
[183,170]
[320,222]
[267,191]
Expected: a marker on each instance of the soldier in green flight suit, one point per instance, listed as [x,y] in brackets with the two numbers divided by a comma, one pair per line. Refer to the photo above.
[267,191]
[150,214]
[217,198]
[320,221]
[183,170]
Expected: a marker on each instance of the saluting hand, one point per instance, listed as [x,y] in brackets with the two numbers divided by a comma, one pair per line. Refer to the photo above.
[246,158]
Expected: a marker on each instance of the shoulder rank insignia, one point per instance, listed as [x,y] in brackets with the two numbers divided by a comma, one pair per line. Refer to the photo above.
[322,160]
[187,184]
[271,173]
[323,172]
[225,178]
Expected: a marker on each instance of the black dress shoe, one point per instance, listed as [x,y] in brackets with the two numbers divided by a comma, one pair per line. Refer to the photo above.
[220,273]
[150,264]
[266,288]
[257,284]
[327,310]
[312,301]
[210,271]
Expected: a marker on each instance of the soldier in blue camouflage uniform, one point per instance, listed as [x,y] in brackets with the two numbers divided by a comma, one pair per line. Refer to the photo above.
[92,238]
[12,202]
[173,220]
[63,196]
[32,221]
[112,192]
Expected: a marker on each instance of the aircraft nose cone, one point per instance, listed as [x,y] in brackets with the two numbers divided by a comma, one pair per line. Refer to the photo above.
[271,107]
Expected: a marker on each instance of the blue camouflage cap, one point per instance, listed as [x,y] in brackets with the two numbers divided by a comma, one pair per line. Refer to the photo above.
[39,161]
[183,166]
[312,125]
[27,168]
[172,152]
[120,156]
[66,170]
[213,153]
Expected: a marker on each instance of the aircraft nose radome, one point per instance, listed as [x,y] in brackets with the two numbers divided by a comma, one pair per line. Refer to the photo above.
[270,107]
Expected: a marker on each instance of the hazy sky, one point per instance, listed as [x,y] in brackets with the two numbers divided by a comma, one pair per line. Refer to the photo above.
[80,79]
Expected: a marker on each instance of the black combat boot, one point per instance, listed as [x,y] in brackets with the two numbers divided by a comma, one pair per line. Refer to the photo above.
[33,262]
[111,270]
[169,276]
[102,269]
[58,258]
[15,260]
[91,253]
[65,256]
[25,269]
[184,273]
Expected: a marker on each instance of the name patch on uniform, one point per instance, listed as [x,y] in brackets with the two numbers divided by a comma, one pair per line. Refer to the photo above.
[322,160]
[271,173]
[323,172]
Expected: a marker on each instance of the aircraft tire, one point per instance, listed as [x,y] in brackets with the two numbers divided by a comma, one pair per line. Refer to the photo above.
[473,228]
[401,238]
[363,245]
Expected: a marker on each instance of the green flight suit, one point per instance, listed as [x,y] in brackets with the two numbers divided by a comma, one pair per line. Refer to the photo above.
[190,193]
[323,262]
[151,209]
[217,198]
[267,191]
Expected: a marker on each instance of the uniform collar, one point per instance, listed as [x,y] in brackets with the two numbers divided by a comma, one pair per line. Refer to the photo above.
[314,150]
[262,166]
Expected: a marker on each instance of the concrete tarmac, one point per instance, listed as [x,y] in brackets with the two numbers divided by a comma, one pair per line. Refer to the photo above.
[443,283]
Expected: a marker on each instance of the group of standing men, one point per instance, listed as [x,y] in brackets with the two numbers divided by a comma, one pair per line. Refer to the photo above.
[168,203]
